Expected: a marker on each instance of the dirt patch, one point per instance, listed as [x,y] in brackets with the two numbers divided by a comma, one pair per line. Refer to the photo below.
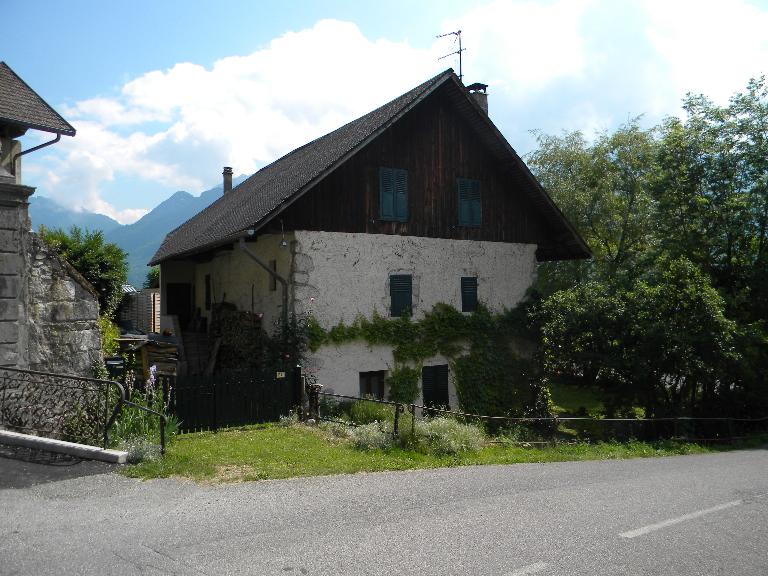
[236,473]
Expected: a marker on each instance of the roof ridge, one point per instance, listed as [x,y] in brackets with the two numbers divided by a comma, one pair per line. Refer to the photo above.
[285,179]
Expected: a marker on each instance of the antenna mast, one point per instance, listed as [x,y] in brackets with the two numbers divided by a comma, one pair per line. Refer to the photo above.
[457,34]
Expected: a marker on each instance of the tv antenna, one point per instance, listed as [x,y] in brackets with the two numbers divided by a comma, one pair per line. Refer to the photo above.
[457,35]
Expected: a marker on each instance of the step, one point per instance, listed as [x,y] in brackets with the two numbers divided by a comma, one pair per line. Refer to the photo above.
[63,447]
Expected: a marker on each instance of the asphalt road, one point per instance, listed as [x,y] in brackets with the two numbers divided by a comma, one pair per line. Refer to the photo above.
[691,515]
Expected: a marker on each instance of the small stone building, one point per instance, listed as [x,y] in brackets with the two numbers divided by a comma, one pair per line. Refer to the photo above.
[48,311]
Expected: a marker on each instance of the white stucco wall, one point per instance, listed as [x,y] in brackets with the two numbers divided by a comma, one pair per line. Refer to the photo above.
[348,274]
[339,276]
[338,367]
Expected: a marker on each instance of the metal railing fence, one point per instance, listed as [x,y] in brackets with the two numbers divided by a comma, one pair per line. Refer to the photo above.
[546,430]
[64,406]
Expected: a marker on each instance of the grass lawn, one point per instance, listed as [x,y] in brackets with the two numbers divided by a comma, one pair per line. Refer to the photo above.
[571,398]
[270,451]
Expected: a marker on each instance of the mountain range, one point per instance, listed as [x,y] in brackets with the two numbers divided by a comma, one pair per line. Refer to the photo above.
[139,240]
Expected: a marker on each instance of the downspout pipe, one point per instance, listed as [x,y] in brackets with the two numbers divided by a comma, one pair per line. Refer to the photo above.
[283,282]
[38,147]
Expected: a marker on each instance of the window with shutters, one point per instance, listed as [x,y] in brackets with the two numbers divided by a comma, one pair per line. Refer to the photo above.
[400,292]
[372,384]
[468,293]
[470,205]
[434,386]
[393,194]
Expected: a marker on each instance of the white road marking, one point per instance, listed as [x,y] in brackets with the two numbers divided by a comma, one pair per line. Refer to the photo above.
[691,516]
[530,569]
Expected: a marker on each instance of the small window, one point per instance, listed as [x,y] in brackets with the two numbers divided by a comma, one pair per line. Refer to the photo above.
[469,293]
[470,206]
[372,384]
[393,194]
[401,293]
[207,291]
[272,280]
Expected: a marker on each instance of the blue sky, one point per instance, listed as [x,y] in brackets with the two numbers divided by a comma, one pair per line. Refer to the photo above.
[165,93]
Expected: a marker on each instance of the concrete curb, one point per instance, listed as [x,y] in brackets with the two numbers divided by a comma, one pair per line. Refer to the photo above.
[63,447]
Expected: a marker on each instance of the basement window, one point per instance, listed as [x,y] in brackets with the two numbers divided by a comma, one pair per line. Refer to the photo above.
[372,384]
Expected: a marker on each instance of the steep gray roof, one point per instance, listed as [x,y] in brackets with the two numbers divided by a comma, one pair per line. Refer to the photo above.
[21,106]
[256,200]
[258,196]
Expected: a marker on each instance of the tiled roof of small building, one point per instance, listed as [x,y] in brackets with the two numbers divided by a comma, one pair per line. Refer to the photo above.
[22,107]
[267,192]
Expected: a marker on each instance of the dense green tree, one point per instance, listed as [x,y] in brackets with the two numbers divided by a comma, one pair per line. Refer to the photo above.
[153,278]
[712,195]
[603,188]
[101,263]
[662,343]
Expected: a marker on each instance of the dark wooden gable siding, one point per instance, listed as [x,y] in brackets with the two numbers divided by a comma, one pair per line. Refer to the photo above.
[436,146]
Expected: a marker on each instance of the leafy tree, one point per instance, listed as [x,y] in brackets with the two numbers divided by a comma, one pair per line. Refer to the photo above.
[102,264]
[712,195]
[604,190]
[663,342]
[153,278]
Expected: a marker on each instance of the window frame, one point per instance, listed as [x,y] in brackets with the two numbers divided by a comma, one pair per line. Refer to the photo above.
[393,182]
[394,290]
[470,202]
[469,289]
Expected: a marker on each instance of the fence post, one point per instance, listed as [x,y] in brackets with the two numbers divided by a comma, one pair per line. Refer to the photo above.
[730,430]
[215,418]
[106,416]
[413,420]
[398,408]
[314,401]
[298,391]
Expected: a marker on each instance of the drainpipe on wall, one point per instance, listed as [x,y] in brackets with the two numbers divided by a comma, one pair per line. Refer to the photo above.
[38,147]
[283,282]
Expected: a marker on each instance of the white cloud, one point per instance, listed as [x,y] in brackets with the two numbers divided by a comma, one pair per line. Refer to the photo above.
[709,46]
[522,47]
[245,111]
[573,64]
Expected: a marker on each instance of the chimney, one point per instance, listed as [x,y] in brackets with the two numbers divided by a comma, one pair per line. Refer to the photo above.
[478,93]
[227,179]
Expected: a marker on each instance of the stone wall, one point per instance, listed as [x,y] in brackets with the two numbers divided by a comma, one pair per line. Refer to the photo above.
[48,312]
[62,315]
[14,224]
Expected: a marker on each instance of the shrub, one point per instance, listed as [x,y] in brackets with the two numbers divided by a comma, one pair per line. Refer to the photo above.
[139,449]
[403,384]
[373,436]
[447,436]
[366,412]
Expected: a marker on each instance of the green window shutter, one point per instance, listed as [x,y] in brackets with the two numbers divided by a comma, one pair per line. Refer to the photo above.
[434,386]
[401,195]
[386,194]
[401,294]
[393,194]
[470,205]
[468,293]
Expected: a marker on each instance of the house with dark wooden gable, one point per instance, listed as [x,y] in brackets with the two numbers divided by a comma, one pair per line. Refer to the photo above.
[418,202]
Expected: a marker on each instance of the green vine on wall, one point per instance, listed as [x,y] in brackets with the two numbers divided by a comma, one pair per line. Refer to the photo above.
[491,377]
